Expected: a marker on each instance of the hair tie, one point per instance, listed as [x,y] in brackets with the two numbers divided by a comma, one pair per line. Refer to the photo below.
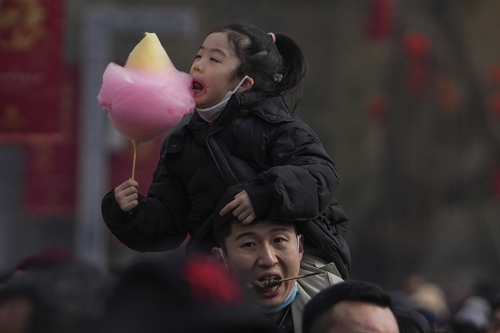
[273,37]
[277,77]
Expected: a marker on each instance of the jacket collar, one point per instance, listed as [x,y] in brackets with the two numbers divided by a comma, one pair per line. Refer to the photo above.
[270,108]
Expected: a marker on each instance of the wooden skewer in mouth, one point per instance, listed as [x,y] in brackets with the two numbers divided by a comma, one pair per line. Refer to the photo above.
[301,276]
[274,282]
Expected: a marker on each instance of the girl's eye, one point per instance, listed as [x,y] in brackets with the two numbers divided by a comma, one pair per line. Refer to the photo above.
[213,59]
[197,56]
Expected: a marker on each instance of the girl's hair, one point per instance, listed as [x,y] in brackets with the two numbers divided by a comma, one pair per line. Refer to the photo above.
[265,60]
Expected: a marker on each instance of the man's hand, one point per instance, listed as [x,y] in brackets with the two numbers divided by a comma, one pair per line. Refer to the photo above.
[242,208]
[126,195]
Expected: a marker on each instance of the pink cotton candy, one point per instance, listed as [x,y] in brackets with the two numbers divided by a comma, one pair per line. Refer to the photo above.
[143,105]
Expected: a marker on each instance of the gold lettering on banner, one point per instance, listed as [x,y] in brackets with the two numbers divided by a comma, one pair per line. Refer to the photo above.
[11,119]
[21,24]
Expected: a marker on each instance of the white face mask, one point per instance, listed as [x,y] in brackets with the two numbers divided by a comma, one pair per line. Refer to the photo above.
[211,113]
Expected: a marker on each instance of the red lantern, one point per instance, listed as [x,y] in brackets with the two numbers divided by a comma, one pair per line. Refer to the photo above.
[377,107]
[381,17]
[417,47]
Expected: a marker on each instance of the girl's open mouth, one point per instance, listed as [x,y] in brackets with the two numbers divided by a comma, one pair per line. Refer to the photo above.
[197,86]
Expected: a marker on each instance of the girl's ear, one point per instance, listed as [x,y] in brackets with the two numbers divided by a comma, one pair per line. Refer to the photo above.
[246,85]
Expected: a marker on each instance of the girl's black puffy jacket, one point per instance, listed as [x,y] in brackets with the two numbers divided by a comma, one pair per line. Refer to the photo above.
[255,138]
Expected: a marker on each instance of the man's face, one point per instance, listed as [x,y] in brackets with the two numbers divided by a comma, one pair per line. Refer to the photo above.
[261,251]
[357,316]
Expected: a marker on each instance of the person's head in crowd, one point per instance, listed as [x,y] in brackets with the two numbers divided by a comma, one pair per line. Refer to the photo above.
[180,293]
[428,298]
[264,249]
[50,255]
[410,321]
[494,321]
[349,307]
[472,317]
[67,297]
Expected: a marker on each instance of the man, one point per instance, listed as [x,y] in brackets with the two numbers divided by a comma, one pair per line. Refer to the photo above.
[265,250]
[350,307]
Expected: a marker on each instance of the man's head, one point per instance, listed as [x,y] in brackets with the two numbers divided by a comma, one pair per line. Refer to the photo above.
[348,307]
[263,250]
[260,250]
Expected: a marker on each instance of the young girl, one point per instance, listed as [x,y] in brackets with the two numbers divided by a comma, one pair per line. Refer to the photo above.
[241,132]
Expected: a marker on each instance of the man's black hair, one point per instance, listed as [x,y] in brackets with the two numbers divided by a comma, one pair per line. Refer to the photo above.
[223,224]
[316,316]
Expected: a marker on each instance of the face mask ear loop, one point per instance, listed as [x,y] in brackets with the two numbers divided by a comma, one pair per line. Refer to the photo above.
[241,82]
[298,243]
[223,258]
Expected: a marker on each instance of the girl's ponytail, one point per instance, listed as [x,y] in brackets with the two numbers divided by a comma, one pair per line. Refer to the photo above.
[293,69]
[293,66]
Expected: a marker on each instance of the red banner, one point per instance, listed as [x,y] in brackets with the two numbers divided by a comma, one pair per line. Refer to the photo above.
[50,167]
[31,71]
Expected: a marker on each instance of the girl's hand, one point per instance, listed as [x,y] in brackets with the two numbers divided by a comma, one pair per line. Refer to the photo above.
[126,195]
[243,209]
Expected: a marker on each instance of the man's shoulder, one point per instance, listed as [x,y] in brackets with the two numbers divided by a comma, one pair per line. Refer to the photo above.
[310,264]
[310,286]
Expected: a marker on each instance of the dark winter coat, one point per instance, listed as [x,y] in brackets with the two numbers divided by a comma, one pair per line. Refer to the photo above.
[255,138]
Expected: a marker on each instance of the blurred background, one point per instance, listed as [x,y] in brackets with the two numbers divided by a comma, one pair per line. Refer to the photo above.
[404,94]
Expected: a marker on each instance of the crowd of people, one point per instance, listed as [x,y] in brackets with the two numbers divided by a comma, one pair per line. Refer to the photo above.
[253,190]
[52,291]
